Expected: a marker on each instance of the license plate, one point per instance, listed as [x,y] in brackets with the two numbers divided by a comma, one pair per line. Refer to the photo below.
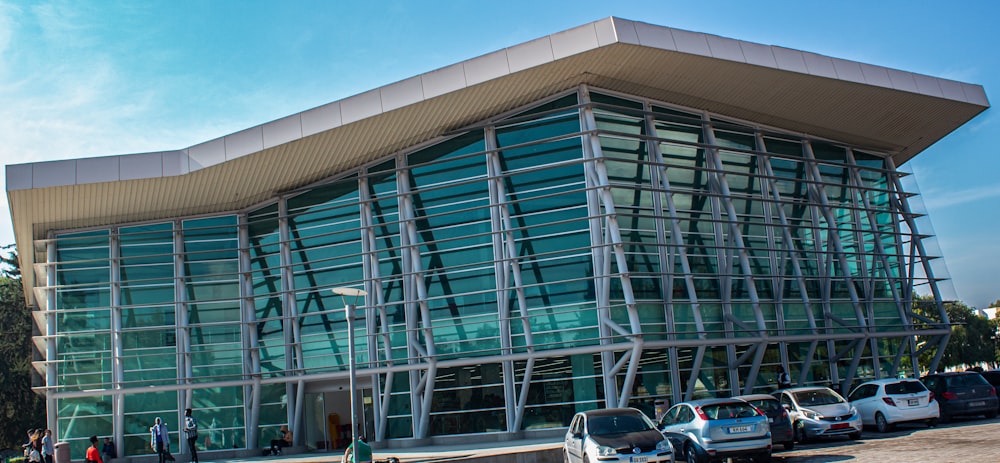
[840,426]
[638,459]
[977,404]
[912,402]
[739,429]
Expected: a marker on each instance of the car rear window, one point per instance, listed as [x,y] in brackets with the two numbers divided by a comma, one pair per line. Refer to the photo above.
[959,381]
[904,387]
[766,405]
[729,410]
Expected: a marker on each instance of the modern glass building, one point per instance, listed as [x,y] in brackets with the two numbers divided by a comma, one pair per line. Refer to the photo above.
[618,214]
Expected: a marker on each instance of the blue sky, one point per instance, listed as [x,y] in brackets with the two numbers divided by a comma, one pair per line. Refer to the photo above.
[96,78]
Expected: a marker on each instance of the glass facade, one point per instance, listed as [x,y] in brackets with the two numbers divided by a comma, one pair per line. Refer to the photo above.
[593,250]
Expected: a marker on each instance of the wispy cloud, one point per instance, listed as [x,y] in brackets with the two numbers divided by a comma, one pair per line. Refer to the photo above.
[942,199]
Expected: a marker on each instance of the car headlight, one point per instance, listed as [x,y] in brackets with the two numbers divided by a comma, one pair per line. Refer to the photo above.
[664,445]
[605,451]
[811,414]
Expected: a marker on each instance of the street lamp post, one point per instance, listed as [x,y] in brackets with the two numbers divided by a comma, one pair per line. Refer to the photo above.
[345,293]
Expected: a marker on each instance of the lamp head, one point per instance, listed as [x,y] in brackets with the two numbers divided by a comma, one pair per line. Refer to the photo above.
[345,292]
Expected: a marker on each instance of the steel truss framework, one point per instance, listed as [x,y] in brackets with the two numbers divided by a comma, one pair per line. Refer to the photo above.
[859,257]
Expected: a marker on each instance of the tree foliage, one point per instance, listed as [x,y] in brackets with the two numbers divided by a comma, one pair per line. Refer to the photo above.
[20,408]
[973,337]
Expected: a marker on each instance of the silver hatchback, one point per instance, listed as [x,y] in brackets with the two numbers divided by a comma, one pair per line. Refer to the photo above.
[714,429]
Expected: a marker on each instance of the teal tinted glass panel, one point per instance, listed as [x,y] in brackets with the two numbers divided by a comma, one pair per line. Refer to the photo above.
[82,417]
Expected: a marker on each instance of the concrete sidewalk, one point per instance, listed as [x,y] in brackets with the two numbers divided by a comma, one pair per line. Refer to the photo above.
[522,451]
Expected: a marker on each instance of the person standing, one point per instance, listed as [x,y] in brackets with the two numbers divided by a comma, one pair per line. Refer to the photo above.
[48,448]
[93,456]
[784,381]
[108,451]
[191,432]
[159,439]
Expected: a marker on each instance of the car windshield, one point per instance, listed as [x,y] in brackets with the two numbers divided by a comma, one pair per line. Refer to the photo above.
[602,425]
[904,387]
[729,410]
[815,397]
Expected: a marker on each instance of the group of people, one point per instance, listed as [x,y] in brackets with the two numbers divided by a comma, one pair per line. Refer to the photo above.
[39,448]
[106,453]
[159,438]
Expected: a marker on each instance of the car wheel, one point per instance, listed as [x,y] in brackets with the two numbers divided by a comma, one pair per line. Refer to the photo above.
[789,445]
[881,423]
[991,414]
[764,457]
[932,422]
[800,433]
[945,418]
[690,454]
[855,435]
[584,459]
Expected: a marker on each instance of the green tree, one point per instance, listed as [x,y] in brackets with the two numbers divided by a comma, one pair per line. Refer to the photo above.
[971,340]
[21,408]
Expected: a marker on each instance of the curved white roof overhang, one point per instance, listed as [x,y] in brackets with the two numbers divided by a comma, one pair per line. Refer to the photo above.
[893,111]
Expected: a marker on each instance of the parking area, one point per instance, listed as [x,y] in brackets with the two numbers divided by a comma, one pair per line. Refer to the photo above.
[964,440]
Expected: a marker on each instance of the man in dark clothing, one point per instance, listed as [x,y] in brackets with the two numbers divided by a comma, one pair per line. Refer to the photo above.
[191,431]
[108,450]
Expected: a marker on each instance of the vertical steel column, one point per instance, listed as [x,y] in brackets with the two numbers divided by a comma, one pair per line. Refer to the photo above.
[423,394]
[831,223]
[117,350]
[248,334]
[509,277]
[611,244]
[883,259]
[51,346]
[790,248]
[726,199]
[677,238]
[373,286]
[185,369]
[294,363]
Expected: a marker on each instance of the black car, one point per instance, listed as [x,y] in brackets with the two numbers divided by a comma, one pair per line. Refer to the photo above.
[992,377]
[962,393]
[777,417]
